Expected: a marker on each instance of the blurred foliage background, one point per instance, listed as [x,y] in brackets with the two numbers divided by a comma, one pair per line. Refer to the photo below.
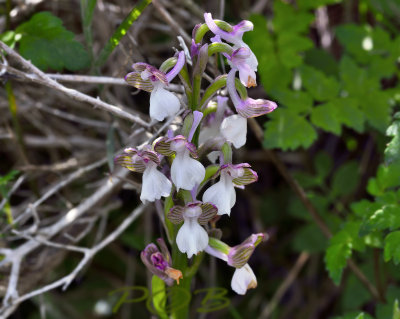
[332,212]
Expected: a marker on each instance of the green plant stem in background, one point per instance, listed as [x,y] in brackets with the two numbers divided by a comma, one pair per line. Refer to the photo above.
[87,9]
[120,32]
[12,106]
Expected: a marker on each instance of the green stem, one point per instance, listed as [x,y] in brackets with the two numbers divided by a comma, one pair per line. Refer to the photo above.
[203,29]
[121,31]
[87,9]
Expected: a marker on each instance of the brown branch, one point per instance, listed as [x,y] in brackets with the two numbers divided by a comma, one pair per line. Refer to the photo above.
[290,278]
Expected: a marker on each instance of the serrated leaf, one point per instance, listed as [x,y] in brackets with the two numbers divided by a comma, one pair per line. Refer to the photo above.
[392,151]
[335,260]
[321,87]
[377,108]
[287,130]
[322,60]
[295,101]
[384,311]
[345,180]
[314,4]
[290,45]
[274,75]
[392,247]
[386,177]
[354,315]
[259,40]
[46,42]
[354,294]
[355,79]
[349,114]
[355,39]
[365,208]
[323,164]
[309,238]
[340,249]
[325,116]
[289,20]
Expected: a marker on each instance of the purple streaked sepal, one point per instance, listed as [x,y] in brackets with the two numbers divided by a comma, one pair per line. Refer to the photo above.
[163,145]
[150,72]
[136,160]
[208,212]
[249,107]
[240,254]
[241,173]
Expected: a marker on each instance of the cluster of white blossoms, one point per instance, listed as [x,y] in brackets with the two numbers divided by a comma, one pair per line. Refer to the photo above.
[209,131]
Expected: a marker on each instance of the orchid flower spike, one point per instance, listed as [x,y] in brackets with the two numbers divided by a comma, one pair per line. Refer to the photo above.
[148,78]
[242,59]
[248,107]
[222,194]
[186,171]
[237,256]
[159,263]
[154,183]
[191,237]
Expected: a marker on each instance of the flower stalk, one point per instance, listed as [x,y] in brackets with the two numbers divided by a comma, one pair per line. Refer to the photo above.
[177,166]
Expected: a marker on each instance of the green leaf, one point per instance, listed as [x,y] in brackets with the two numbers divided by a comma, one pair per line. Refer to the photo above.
[387,217]
[386,177]
[396,310]
[274,75]
[355,315]
[392,247]
[355,39]
[309,238]
[349,114]
[377,108]
[288,130]
[259,40]
[48,44]
[346,179]
[295,101]
[159,296]
[8,177]
[355,79]
[323,164]
[321,87]
[325,116]
[354,294]
[322,60]
[290,46]
[390,8]
[289,20]
[384,311]
[9,38]
[392,151]
[314,4]
[335,260]
[340,249]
